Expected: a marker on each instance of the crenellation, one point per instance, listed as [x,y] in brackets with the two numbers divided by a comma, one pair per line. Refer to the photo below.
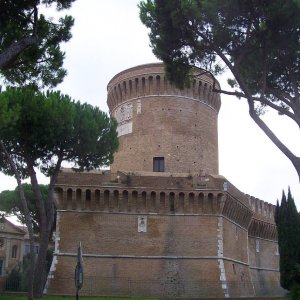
[144,86]
[261,208]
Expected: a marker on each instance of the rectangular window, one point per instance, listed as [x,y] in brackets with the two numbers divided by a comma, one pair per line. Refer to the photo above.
[158,164]
[14,251]
[26,249]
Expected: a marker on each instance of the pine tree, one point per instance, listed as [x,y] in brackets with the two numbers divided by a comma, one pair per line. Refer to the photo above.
[288,226]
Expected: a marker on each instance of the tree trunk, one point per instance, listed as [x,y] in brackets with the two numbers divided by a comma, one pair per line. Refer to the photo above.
[295,160]
[40,265]
[296,163]
[40,274]
[27,221]
[9,55]
[46,221]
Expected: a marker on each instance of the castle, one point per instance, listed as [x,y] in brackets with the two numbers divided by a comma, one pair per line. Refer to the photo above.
[163,222]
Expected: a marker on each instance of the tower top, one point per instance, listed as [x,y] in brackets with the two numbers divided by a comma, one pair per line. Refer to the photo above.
[201,86]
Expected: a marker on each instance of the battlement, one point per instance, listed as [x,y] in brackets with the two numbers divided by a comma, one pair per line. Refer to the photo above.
[152,193]
[262,210]
[149,80]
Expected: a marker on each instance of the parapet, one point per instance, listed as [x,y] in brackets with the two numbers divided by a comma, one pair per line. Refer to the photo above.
[149,79]
[262,210]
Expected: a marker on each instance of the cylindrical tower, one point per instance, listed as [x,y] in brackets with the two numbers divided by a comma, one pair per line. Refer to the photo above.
[162,128]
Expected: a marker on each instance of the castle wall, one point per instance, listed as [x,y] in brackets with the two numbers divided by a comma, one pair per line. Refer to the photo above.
[142,277]
[264,266]
[181,231]
[201,235]
[155,119]
[178,253]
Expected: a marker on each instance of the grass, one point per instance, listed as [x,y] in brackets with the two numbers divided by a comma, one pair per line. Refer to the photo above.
[5,297]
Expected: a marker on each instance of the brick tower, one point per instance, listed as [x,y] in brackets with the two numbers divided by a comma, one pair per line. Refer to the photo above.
[162,128]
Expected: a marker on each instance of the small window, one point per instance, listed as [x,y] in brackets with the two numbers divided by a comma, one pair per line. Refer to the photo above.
[158,164]
[233,267]
[14,251]
[26,249]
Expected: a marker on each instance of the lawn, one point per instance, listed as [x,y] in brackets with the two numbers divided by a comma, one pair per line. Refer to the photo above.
[5,297]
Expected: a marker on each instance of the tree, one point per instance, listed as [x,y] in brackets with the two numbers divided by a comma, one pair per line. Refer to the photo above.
[30,54]
[30,42]
[288,226]
[10,203]
[41,130]
[257,41]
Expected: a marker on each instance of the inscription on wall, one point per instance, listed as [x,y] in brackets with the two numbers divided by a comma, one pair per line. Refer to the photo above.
[142,224]
[124,128]
[139,107]
[123,115]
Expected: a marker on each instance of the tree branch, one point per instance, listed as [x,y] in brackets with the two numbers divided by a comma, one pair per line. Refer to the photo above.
[217,90]
[282,96]
[40,207]
[262,125]
[50,202]
[237,94]
[9,55]
[293,158]
[280,109]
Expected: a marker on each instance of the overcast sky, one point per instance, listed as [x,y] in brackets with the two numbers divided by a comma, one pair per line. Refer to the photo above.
[108,37]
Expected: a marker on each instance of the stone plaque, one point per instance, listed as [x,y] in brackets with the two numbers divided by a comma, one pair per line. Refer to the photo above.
[142,224]
[124,128]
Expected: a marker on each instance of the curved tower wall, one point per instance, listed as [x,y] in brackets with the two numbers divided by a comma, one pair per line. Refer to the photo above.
[157,120]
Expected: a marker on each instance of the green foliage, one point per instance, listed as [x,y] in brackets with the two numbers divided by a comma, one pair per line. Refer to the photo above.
[10,203]
[288,226]
[5,297]
[258,42]
[41,130]
[295,292]
[40,63]
[50,127]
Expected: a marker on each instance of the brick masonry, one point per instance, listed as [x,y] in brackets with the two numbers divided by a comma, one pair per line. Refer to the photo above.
[159,120]
[183,233]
